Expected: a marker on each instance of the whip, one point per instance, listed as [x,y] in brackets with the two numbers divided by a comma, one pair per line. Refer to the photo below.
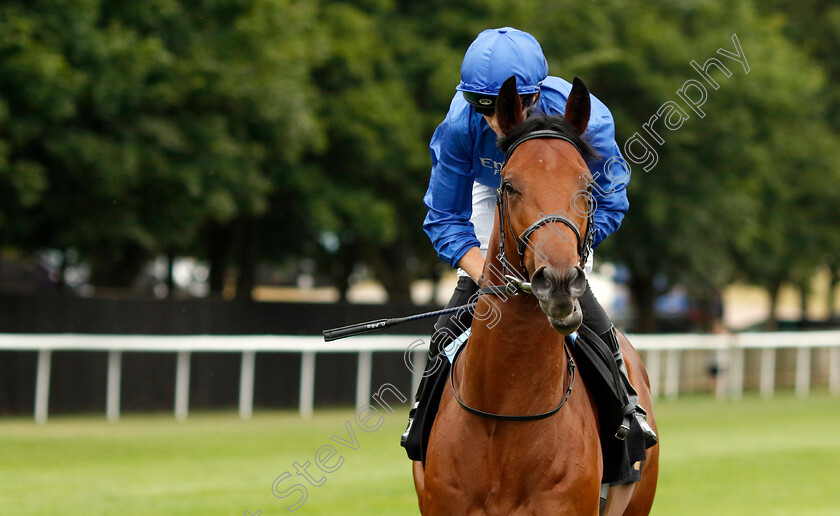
[381,324]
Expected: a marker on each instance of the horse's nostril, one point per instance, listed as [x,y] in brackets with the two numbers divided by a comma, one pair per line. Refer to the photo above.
[542,283]
[548,283]
[576,280]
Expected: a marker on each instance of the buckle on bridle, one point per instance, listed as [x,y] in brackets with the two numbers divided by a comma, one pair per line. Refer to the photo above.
[516,286]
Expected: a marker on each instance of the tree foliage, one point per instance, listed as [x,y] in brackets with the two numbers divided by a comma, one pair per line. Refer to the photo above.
[243,131]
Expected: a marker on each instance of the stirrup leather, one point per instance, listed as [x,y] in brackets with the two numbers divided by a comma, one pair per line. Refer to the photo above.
[633,409]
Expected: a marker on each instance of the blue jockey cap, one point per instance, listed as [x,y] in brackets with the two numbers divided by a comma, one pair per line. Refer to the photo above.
[495,55]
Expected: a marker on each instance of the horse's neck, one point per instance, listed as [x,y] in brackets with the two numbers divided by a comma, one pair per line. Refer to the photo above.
[515,362]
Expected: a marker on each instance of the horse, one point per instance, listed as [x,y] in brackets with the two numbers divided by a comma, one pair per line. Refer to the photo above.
[542,454]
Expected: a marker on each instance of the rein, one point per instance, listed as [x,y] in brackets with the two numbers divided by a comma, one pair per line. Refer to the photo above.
[515,286]
[505,417]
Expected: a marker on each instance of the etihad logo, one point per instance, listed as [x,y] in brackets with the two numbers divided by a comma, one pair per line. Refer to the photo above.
[491,163]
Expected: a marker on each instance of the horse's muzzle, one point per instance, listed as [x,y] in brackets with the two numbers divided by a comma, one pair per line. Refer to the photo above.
[558,296]
[571,323]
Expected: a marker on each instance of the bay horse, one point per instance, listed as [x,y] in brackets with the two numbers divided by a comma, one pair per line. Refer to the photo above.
[518,363]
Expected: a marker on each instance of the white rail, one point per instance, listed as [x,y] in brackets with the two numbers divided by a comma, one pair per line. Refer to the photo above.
[729,347]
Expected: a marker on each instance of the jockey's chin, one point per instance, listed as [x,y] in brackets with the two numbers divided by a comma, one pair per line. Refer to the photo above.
[493,122]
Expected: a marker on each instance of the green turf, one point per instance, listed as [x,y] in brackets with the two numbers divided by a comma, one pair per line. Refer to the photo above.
[753,457]
[741,458]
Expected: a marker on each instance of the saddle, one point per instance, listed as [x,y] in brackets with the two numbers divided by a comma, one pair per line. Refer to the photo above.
[598,367]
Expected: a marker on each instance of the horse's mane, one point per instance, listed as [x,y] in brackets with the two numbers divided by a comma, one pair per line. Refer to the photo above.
[539,121]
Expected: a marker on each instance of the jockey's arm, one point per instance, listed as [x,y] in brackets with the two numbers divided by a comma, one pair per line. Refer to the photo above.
[611,175]
[449,199]
[473,263]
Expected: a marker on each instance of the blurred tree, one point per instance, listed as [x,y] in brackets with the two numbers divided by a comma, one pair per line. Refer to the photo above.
[815,26]
[129,126]
[248,130]
[700,217]
[368,184]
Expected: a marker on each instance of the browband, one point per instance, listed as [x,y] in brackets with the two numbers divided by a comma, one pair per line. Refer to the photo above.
[534,135]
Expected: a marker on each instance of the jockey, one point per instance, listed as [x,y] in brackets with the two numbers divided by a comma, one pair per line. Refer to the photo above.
[466,171]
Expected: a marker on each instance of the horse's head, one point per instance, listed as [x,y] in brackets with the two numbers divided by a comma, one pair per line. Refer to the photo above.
[544,201]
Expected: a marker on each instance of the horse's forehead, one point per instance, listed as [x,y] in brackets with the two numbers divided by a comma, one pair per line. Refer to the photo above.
[538,157]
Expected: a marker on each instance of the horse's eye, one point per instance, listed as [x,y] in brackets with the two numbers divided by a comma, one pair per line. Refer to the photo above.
[507,186]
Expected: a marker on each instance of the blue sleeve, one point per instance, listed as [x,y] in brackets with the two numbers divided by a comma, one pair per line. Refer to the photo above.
[449,197]
[611,173]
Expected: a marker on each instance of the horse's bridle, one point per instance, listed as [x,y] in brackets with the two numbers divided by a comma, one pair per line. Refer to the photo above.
[514,285]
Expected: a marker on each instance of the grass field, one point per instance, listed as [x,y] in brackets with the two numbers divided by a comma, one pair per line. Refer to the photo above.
[751,457]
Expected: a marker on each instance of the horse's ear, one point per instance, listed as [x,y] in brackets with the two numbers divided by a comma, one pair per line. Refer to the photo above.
[578,106]
[509,112]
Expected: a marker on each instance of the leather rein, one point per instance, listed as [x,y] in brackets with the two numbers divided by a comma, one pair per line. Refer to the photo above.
[514,284]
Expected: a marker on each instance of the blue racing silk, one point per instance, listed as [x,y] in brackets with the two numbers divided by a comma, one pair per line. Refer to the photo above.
[463,151]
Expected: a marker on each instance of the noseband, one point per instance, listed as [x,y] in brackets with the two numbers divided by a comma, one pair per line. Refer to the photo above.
[584,245]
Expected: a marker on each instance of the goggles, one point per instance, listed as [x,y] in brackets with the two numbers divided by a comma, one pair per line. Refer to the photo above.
[483,104]
[486,104]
